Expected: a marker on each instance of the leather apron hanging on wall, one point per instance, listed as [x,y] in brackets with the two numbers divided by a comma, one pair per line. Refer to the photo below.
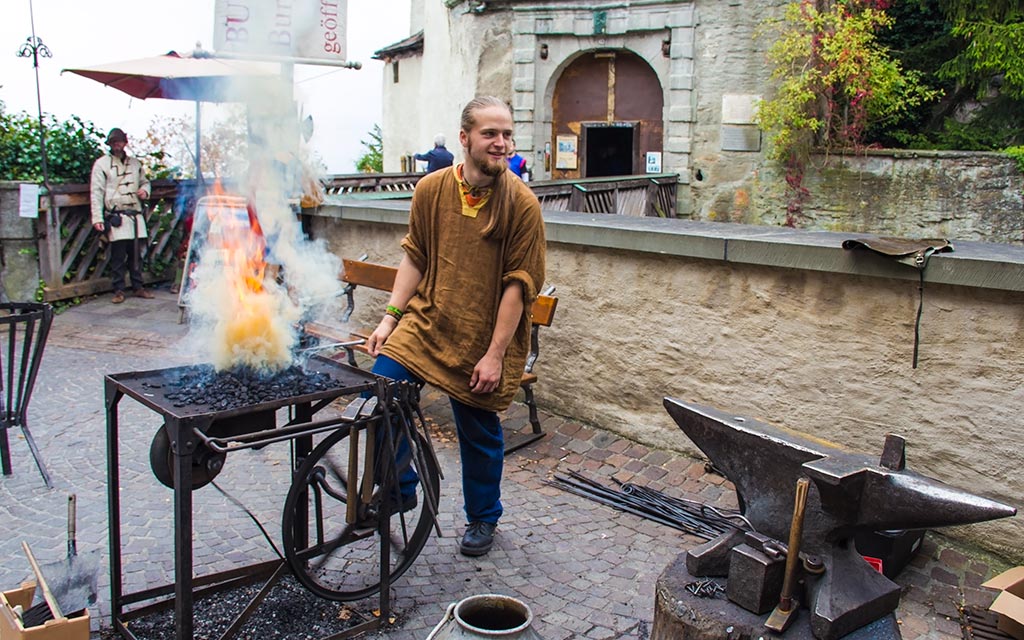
[909,251]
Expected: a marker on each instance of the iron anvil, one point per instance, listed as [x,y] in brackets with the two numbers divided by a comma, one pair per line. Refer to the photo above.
[849,493]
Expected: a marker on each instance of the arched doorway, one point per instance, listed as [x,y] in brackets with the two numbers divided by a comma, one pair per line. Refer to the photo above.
[606,115]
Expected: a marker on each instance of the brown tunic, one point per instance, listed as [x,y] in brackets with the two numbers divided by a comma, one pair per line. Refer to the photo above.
[448,323]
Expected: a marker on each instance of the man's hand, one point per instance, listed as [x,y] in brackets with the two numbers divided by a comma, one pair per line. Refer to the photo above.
[98,226]
[142,194]
[486,374]
[380,335]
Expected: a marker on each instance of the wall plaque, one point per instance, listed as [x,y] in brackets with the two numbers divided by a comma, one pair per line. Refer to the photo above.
[738,137]
[565,153]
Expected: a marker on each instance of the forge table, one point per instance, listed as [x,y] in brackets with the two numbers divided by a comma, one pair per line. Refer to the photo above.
[188,429]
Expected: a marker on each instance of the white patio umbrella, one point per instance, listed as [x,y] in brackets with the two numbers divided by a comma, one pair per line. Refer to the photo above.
[197,78]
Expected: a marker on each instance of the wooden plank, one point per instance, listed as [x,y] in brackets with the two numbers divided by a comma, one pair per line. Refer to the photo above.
[78,239]
[578,199]
[368,274]
[327,332]
[88,260]
[48,244]
[88,288]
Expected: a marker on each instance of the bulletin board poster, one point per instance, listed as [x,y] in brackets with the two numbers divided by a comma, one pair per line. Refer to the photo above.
[653,162]
[28,200]
[565,152]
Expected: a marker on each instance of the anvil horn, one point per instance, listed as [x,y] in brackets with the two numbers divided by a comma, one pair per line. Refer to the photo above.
[895,499]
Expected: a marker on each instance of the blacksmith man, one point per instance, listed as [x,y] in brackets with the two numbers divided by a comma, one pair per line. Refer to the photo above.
[458,317]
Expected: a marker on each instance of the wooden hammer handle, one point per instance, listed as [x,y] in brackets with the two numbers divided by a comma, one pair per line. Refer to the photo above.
[796,531]
[47,594]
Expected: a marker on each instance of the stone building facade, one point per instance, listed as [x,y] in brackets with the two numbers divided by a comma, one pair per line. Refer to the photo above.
[648,86]
[596,88]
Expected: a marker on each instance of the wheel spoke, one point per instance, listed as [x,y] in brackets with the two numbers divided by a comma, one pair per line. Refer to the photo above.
[344,561]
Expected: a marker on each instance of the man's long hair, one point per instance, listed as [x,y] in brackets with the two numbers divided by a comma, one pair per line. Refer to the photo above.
[504,189]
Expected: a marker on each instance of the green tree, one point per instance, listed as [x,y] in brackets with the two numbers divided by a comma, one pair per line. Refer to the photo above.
[833,81]
[993,31]
[373,160]
[971,52]
[168,146]
[71,147]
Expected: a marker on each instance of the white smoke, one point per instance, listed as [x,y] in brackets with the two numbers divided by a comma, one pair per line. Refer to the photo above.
[235,324]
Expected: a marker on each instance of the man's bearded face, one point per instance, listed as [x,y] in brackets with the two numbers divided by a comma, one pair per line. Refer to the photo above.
[488,142]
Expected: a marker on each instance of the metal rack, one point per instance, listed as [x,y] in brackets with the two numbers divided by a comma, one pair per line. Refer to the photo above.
[187,428]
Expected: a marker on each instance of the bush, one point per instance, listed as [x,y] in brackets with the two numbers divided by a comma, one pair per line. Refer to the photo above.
[71,148]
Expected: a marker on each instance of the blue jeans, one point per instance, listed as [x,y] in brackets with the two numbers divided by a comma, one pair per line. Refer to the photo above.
[481,449]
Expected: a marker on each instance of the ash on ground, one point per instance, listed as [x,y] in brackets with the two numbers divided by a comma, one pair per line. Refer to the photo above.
[289,612]
[240,387]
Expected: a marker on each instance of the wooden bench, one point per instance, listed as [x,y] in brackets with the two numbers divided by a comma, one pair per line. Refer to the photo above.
[358,273]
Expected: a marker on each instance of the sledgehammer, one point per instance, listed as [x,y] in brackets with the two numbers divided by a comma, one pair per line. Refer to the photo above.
[783,614]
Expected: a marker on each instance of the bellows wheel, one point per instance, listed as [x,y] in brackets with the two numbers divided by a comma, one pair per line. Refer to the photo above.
[206,464]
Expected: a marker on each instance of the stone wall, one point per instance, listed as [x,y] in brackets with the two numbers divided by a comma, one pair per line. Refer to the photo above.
[715,71]
[730,63]
[19,254]
[825,353]
[946,194]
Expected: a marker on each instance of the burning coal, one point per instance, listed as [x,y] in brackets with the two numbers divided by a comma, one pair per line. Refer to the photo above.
[239,387]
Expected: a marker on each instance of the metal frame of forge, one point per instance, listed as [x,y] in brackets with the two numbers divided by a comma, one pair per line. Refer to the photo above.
[301,428]
[18,370]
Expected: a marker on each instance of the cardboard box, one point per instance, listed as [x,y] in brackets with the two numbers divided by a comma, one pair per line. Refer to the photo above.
[1010,603]
[76,628]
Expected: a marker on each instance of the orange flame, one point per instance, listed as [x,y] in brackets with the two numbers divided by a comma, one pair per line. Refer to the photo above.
[250,332]
[241,242]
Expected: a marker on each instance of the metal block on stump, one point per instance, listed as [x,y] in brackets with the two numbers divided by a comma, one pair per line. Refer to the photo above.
[755,580]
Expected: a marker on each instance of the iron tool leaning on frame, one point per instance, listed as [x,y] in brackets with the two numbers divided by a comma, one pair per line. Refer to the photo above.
[458,317]
[117,189]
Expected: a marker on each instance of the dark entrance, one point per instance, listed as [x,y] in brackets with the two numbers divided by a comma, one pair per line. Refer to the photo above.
[609,150]
[607,111]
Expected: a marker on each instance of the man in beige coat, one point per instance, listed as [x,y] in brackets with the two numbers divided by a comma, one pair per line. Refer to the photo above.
[118,188]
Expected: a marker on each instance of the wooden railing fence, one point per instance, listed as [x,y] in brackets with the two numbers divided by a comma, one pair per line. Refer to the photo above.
[648,195]
[73,263]
[339,185]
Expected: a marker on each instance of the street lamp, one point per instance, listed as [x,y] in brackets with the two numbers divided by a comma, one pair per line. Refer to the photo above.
[33,47]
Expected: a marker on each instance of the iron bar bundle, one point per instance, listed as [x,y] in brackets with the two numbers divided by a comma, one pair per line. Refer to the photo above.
[689,516]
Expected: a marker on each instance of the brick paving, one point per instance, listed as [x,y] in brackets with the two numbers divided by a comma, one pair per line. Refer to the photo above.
[586,571]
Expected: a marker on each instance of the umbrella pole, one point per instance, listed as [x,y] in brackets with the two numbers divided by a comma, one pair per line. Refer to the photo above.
[198,156]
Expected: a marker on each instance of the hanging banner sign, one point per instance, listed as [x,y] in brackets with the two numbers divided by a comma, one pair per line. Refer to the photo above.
[295,29]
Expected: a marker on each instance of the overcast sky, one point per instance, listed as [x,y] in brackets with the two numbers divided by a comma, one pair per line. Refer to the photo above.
[344,103]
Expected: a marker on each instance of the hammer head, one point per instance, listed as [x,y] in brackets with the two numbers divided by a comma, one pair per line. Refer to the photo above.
[782,616]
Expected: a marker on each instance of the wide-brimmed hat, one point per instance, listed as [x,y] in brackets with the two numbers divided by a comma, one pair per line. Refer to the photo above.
[116,135]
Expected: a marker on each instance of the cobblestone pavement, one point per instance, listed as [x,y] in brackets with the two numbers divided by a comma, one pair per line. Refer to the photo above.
[586,570]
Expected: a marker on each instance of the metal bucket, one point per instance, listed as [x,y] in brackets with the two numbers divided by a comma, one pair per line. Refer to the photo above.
[486,616]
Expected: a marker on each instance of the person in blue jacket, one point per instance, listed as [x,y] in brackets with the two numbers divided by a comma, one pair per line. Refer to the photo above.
[517,163]
[438,157]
